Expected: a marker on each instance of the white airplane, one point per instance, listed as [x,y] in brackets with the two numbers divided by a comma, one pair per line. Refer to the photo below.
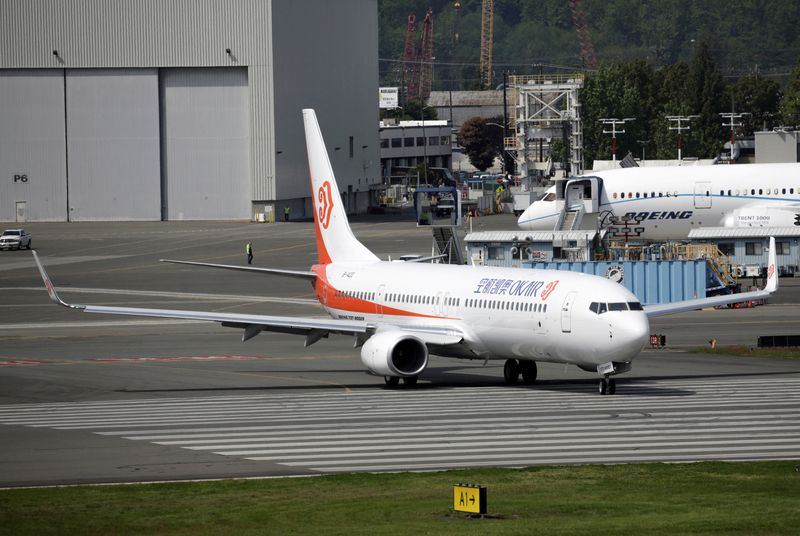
[401,312]
[667,202]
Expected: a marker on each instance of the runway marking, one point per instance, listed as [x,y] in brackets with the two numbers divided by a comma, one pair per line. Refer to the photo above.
[19,362]
[375,429]
[178,358]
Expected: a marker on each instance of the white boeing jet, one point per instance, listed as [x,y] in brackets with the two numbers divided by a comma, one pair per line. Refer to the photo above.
[668,202]
[401,312]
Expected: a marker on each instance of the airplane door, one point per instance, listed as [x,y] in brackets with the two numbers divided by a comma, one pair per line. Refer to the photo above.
[22,211]
[566,312]
[324,294]
[574,196]
[379,300]
[702,195]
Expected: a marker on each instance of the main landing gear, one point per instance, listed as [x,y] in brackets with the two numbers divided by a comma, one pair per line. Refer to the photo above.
[394,381]
[608,386]
[513,368]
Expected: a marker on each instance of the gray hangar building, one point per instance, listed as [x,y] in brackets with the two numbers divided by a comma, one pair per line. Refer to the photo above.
[182,109]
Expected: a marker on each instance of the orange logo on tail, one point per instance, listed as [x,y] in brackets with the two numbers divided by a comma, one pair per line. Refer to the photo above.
[770,271]
[325,201]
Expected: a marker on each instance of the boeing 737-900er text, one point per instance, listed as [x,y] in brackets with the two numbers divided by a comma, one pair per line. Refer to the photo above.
[668,202]
[401,312]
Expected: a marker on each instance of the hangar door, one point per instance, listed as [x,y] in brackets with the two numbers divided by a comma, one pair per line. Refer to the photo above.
[113,144]
[205,144]
[33,172]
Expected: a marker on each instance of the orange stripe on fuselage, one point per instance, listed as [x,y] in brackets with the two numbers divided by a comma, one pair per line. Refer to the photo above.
[326,294]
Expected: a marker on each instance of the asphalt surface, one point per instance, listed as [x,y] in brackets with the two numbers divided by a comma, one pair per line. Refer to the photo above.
[90,398]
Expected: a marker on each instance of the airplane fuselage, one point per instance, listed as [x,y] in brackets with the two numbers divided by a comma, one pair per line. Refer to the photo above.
[504,313]
[668,202]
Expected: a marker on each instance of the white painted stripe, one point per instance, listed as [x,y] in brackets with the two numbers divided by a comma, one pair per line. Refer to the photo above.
[451,446]
[621,458]
[741,430]
[54,417]
[78,425]
[505,456]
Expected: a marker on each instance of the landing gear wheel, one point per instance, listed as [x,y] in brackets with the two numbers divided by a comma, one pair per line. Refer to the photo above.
[410,381]
[528,371]
[612,386]
[603,387]
[30,244]
[391,381]
[511,371]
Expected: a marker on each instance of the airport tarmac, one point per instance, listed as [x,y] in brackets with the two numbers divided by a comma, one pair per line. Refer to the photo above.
[89,398]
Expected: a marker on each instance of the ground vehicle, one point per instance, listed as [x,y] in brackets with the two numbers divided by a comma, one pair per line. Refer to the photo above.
[15,239]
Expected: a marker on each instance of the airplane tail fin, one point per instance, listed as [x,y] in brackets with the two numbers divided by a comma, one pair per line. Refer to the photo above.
[335,239]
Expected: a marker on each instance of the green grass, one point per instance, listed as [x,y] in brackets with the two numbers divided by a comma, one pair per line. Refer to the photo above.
[702,498]
[750,351]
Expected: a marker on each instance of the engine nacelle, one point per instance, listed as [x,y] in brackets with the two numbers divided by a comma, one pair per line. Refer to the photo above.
[394,353]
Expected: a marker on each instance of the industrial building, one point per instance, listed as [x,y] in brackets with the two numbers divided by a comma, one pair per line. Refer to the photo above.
[182,110]
[409,144]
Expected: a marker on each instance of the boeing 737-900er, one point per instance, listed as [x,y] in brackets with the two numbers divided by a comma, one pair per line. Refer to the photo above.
[668,202]
[401,312]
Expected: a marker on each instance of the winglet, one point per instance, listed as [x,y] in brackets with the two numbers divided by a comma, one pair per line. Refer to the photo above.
[772,268]
[51,290]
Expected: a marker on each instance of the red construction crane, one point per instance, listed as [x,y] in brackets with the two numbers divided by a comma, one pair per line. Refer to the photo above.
[410,65]
[418,62]
[426,56]
[587,48]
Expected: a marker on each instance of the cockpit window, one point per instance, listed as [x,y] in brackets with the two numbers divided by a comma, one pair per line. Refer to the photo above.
[549,197]
[635,306]
[618,306]
[594,307]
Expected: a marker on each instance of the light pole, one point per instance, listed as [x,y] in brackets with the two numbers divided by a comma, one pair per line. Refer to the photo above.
[643,143]
[613,121]
[505,156]
[679,120]
[731,116]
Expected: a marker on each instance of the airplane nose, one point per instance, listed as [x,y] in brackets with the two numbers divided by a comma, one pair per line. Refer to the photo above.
[630,333]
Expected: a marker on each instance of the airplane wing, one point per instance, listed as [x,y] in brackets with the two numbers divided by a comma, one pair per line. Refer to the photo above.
[314,329]
[311,276]
[771,286]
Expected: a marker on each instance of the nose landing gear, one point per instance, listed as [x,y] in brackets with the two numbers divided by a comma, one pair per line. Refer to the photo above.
[607,386]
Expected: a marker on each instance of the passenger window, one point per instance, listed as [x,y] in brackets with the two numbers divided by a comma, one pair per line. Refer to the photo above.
[635,306]
[622,195]
[753,191]
[783,191]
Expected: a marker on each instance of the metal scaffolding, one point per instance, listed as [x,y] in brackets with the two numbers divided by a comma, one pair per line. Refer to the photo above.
[547,108]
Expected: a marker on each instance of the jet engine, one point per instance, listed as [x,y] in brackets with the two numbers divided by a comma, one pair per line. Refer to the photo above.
[394,353]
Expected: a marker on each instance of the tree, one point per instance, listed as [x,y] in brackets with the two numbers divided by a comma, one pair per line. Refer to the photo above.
[759,97]
[705,90]
[482,141]
[790,105]
[414,110]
